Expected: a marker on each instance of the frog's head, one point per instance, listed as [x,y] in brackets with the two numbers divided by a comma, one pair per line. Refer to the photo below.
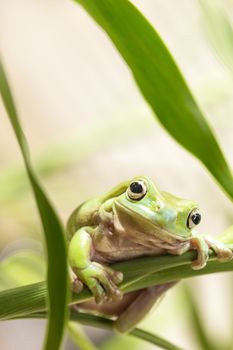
[142,207]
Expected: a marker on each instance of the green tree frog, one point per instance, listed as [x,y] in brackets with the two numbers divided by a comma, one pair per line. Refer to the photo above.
[134,219]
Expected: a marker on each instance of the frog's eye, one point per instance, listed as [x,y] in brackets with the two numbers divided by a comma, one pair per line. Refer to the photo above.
[136,190]
[194,218]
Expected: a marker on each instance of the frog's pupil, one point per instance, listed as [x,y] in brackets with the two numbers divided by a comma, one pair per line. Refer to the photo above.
[136,187]
[196,218]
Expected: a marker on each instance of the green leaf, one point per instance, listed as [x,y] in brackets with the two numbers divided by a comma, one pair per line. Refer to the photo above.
[198,327]
[55,242]
[160,82]
[154,339]
[219,29]
[24,267]
[79,337]
[23,301]
[102,322]
[119,341]
[57,157]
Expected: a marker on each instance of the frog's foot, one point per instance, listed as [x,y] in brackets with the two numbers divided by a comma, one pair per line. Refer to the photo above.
[223,252]
[102,281]
[202,245]
[198,243]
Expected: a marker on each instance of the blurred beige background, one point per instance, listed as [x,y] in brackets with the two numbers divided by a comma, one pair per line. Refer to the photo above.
[70,83]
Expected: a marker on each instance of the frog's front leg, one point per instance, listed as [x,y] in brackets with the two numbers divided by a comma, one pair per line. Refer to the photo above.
[100,279]
[202,245]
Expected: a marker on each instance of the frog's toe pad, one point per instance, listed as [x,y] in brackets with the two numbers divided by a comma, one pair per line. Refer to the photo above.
[225,254]
[114,295]
[198,264]
[118,277]
[115,276]
[77,285]
[104,293]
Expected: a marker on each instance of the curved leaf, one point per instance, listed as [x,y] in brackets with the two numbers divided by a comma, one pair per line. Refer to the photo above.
[23,267]
[56,249]
[97,321]
[13,182]
[23,301]
[219,29]
[79,337]
[199,330]
[160,82]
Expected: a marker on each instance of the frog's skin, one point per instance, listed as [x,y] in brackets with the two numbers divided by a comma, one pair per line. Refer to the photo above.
[134,219]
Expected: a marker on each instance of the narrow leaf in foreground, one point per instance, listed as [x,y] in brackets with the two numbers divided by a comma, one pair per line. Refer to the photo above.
[56,249]
[160,82]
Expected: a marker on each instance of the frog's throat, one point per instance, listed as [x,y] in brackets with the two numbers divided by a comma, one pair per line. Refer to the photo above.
[158,231]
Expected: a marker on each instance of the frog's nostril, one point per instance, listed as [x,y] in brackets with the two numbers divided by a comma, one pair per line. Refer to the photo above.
[157,206]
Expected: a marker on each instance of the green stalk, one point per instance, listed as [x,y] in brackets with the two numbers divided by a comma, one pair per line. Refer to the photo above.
[199,329]
[23,301]
[79,337]
[101,322]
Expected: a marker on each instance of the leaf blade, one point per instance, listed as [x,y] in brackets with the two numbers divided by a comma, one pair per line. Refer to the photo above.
[79,337]
[56,250]
[31,298]
[219,29]
[97,321]
[198,327]
[160,82]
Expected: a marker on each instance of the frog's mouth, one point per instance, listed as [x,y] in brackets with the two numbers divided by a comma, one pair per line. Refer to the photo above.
[132,223]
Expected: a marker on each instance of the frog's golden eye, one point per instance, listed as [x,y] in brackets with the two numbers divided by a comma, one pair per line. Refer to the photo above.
[194,218]
[136,190]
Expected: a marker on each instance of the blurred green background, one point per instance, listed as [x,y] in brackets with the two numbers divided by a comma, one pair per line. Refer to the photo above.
[89,128]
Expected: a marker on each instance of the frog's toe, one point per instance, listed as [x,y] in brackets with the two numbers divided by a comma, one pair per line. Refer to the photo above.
[118,295]
[77,286]
[116,276]
[198,264]
[97,290]
[112,292]
[224,254]
[201,260]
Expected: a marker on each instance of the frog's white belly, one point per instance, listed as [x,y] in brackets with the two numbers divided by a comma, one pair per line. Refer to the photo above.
[109,247]
[124,253]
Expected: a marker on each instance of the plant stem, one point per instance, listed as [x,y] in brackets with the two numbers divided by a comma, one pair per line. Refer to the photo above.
[23,301]
[101,322]
[79,337]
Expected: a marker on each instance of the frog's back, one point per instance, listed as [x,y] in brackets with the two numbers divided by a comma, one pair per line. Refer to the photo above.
[83,215]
